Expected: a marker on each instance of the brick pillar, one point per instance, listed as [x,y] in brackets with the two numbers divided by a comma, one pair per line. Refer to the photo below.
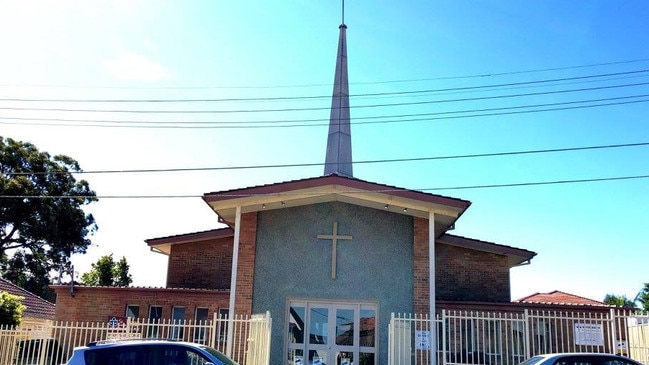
[246,269]
[420,262]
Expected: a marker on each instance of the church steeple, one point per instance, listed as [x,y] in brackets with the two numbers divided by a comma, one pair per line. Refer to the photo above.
[339,142]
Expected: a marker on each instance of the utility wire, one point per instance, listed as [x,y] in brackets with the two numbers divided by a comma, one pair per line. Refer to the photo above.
[293,98]
[244,167]
[432,116]
[322,108]
[233,195]
[486,75]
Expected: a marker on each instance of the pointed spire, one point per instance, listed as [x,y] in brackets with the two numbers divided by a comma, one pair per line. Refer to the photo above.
[339,142]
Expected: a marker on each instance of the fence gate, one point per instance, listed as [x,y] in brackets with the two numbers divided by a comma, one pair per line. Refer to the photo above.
[258,352]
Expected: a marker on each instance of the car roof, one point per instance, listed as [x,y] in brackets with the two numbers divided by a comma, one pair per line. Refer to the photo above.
[585,354]
[557,354]
[138,342]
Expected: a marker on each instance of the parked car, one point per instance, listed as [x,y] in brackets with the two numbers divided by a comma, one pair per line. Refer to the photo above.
[151,352]
[578,358]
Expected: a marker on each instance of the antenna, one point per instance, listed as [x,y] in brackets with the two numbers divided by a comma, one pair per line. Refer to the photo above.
[343,11]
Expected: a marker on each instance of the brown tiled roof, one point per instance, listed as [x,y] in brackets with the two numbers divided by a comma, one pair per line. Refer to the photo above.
[338,180]
[517,256]
[193,236]
[559,297]
[37,307]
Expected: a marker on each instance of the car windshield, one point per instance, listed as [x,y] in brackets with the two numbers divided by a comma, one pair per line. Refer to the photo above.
[532,360]
[219,355]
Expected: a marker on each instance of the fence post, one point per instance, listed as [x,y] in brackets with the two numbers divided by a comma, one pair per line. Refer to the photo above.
[613,328]
[444,339]
[526,333]
[214,331]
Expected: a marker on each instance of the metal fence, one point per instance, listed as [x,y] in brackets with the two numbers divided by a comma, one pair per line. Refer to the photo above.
[52,342]
[493,338]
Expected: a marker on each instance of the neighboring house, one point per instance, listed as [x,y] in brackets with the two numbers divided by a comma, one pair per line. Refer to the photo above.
[38,309]
[561,298]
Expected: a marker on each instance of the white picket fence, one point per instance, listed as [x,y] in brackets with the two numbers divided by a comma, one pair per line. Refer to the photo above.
[52,342]
[490,338]
[461,337]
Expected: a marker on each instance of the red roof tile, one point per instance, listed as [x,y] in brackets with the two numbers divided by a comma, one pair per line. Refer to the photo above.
[37,307]
[559,297]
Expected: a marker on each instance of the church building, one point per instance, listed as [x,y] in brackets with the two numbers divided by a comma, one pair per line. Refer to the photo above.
[330,257]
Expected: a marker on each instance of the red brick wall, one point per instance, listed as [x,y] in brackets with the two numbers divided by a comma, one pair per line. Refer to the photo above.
[420,251]
[469,275]
[246,269]
[99,303]
[204,264]
[460,274]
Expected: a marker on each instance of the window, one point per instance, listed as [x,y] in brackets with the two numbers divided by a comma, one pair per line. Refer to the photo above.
[518,340]
[178,317]
[493,343]
[201,317]
[155,314]
[132,311]
[541,342]
[223,327]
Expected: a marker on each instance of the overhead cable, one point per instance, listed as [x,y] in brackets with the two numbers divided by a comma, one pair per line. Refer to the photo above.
[372,191]
[362,162]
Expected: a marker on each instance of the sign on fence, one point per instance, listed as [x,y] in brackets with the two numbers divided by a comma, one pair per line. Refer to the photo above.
[589,334]
[423,340]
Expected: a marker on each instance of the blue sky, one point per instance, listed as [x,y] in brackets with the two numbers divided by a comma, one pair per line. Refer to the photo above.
[590,237]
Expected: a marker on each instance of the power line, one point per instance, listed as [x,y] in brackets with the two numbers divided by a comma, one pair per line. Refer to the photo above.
[432,116]
[293,98]
[414,159]
[374,191]
[485,75]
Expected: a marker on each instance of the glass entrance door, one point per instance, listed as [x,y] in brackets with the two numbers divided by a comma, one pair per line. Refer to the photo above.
[330,333]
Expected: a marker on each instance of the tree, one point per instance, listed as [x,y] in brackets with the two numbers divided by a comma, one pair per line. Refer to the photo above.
[11,309]
[107,272]
[122,277]
[41,217]
[619,301]
[643,298]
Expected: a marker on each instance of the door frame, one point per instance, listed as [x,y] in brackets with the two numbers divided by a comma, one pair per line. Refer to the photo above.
[331,348]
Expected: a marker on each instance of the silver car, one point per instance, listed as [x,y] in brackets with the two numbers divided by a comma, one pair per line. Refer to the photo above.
[149,352]
[579,358]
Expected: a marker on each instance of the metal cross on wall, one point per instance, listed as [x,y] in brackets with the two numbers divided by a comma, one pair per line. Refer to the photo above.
[334,240]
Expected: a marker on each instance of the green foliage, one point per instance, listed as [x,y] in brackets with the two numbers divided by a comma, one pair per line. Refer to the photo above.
[121,275]
[107,272]
[643,298]
[619,301]
[38,228]
[11,309]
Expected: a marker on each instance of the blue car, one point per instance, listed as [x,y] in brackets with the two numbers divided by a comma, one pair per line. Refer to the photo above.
[147,352]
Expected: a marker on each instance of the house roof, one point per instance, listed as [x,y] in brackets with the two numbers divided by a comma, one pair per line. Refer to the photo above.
[516,256]
[334,187]
[37,307]
[559,297]
[163,244]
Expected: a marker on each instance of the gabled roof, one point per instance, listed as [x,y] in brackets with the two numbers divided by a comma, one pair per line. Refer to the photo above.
[37,307]
[335,187]
[163,244]
[559,297]
[516,256]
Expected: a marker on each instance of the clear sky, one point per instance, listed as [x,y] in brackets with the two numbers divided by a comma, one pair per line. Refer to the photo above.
[455,78]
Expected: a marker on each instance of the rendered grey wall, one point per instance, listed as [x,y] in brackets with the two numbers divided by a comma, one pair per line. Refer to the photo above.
[290,262]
